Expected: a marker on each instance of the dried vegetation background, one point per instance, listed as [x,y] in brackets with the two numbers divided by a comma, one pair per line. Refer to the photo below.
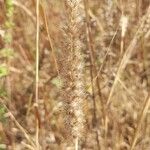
[94,75]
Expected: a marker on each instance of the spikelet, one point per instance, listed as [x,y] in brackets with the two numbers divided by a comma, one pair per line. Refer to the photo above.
[124,25]
[72,71]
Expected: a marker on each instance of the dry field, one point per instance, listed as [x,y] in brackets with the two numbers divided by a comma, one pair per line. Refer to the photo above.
[74,74]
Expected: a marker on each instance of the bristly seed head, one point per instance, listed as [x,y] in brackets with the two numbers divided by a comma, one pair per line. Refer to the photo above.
[73,71]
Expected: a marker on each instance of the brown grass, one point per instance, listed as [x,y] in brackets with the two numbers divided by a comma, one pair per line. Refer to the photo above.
[84,64]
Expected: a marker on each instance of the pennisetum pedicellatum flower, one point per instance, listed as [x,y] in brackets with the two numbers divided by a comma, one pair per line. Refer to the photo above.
[72,71]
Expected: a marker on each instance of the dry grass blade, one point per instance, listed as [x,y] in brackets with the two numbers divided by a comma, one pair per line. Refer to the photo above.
[49,39]
[37,70]
[22,129]
[128,53]
[92,57]
[141,118]
[108,50]
[30,140]
[27,146]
